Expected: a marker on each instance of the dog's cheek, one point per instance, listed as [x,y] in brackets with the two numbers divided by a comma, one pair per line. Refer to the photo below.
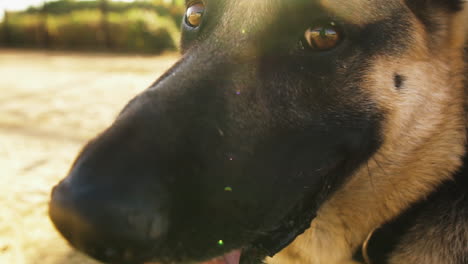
[403,85]
[421,101]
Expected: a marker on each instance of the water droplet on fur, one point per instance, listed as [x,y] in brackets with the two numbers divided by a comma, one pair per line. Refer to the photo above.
[231,157]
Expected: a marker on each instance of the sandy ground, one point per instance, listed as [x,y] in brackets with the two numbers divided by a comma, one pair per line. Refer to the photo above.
[50,105]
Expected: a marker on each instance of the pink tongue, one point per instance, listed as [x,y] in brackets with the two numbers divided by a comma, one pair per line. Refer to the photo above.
[230,258]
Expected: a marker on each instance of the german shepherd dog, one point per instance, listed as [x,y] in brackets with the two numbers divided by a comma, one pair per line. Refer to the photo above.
[290,132]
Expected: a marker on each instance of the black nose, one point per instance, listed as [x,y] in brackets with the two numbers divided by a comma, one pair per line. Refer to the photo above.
[109,227]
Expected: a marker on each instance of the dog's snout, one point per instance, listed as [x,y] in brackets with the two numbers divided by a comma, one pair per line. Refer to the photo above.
[111,227]
[117,204]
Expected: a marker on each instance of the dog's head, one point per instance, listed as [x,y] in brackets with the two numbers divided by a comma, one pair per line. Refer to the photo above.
[273,106]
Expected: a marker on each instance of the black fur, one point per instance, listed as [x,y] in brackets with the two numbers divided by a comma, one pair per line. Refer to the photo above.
[426,5]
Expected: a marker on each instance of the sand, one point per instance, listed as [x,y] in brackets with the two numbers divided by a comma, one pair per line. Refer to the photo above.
[51,103]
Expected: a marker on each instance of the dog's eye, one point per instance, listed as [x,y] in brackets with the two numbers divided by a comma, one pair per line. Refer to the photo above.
[194,14]
[322,38]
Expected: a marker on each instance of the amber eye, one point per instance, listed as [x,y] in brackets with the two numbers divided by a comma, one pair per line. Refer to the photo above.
[321,38]
[194,14]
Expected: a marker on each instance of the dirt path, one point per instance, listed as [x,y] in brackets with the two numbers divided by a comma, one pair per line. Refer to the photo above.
[50,105]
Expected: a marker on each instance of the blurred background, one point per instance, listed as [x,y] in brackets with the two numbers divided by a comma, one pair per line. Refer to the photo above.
[96,25]
[66,69]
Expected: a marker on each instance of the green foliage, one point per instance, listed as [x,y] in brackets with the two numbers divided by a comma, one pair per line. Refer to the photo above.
[24,31]
[66,6]
[124,27]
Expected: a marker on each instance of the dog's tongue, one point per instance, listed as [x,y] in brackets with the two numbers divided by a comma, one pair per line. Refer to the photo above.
[230,258]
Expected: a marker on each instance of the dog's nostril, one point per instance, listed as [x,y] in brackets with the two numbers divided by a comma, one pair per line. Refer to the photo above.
[153,226]
[83,215]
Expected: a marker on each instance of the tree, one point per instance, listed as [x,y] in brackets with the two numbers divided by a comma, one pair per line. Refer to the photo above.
[104,7]
[43,27]
[6,29]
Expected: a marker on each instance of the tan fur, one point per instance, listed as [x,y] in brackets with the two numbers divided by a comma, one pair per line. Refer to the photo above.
[361,12]
[440,244]
[424,136]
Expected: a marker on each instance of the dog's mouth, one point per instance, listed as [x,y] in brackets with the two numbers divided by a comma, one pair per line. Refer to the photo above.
[232,257]
[269,244]
[297,222]
[271,241]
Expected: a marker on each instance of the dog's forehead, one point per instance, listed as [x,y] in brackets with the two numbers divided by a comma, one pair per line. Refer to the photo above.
[354,11]
[361,11]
